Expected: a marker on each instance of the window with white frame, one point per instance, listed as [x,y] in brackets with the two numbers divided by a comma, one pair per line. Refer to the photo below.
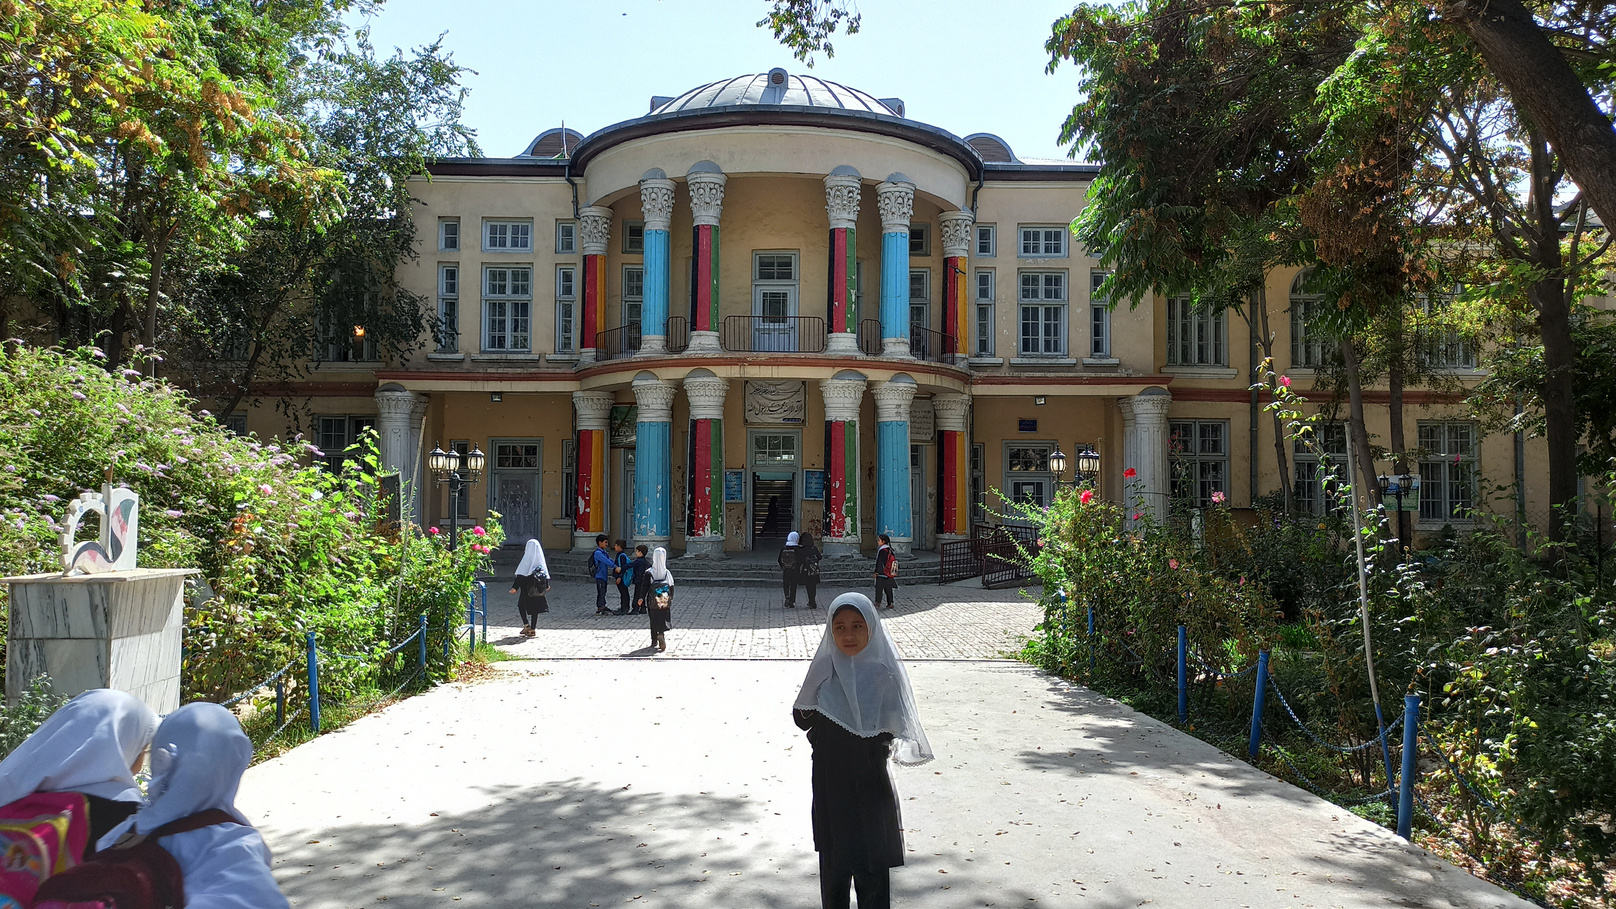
[507,308]
[1042,302]
[1442,346]
[1196,336]
[335,435]
[633,295]
[1099,318]
[984,313]
[1027,477]
[1309,346]
[449,234]
[236,424]
[569,478]
[987,241]
[1198,455]
[1447,471]
[566,310]
[448,327]
[508,236]
[634,238]
[920,239]
[920,285]
[1321,465]
[566,238]
[1043,242]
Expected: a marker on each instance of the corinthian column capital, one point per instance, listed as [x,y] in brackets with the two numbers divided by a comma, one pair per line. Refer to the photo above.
[706,184]
[656,199]
[955,228]
[595,229]
[843,186]
[896,200]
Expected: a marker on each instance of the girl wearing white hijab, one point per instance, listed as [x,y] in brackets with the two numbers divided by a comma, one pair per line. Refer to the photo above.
[659,598]
[532,580]
[858,709]
[92,745]
[787,560]
[198,756]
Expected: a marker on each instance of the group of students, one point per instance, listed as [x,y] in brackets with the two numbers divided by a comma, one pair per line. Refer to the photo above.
[799,566]
[77,830]
[644,585]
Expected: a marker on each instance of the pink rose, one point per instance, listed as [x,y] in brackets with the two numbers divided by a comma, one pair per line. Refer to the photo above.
[1137,516]
[479,531]
[1086,496]
[1130,473]
[1218,498]
[1173,564]
[433,530]
[1285,381]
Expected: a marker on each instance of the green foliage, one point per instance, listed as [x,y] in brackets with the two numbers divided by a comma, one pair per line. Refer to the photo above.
[805,27]
[18,721]
[286,547]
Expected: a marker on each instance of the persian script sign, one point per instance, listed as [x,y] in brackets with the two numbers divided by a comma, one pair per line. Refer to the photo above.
[776,401]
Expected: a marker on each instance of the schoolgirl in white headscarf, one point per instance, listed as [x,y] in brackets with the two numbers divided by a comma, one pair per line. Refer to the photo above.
[659,606]
[198,756]
[858,710]
[532,580]
[90,745]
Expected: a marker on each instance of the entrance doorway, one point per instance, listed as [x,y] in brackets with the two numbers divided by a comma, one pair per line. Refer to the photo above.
[625,505]
[514,488]
[774,460]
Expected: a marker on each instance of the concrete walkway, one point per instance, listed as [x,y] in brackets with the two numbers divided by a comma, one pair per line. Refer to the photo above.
[683,783]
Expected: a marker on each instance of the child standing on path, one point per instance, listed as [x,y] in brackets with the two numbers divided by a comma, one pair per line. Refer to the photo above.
[642,579]
[624,575]
[659,598]
[532,581]
[601,561]
[858,709]
[787,560]
[886,570]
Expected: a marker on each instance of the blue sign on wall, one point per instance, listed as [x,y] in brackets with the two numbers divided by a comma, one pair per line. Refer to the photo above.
[813,485]
[1027,425]
[735,486]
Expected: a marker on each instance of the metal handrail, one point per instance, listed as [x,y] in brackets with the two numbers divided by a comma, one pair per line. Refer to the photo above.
[925,344]
[773,334]
[622,341]
[869,337]
[678,334]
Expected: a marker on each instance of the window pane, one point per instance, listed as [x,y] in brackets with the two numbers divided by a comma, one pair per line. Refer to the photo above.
[633,282]
[521,282]
[984,285]
[917,285]
[984,241]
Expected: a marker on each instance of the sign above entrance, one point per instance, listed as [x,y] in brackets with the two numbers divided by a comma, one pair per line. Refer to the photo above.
[776,401]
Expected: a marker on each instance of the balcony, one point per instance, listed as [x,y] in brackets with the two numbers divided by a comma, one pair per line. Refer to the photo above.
[624,341]
[773,334]
[924,344]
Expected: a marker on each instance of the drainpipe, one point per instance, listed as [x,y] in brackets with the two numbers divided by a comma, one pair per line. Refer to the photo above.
[567,173]
[980,178]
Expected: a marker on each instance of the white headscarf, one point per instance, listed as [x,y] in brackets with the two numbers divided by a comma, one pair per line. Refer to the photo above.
[867,694]
[85,746]
[533,560]
[659,567]
[791,539]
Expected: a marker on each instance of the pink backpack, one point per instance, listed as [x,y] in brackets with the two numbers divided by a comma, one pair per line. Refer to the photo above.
[134,874]
[40,835]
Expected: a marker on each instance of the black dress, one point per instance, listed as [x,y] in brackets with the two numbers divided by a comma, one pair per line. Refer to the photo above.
[529,601]
[855,812]
[661,619]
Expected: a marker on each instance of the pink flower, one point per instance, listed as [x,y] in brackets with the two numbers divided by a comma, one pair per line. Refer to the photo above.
[1218,498]
[1137,516]
[1285,381]
[1457,458]
[1242,580]
[1086,496]
[479,531]
[1130,473]
[266,489]
[433,530]
[1173,564]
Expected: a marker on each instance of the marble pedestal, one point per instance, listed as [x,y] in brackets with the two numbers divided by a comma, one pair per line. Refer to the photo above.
[115,630]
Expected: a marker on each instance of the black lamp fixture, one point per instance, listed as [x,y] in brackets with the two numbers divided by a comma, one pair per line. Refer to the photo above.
[457,471]
[1087,462]
[1057,462]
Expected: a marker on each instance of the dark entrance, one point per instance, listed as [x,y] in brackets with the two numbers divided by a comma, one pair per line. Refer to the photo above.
[773,505]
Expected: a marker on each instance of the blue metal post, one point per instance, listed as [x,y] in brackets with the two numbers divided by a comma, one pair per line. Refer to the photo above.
[471,623]
[1091,640]
[1183,674]
[482,588]
[1257,704]
[1411,745]
[423,642]
[448,641]
[314,685]
[280,701]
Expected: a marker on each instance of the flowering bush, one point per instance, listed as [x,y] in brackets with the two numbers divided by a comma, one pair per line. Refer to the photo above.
[285,548]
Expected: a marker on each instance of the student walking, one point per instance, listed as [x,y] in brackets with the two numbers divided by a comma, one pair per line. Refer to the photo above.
[659,598]
[787,560]
[886,570]
[624,575]
[858,709]
[531,584]
[808,557]
[600,561]
[639,568]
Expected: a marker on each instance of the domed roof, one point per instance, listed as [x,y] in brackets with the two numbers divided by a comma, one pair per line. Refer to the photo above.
[781,88]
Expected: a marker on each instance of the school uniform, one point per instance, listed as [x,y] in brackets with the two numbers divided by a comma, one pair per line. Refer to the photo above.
[532,580]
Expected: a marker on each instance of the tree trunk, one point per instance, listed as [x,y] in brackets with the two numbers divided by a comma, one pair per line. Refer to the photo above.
[1365,485]
[1549,298]
[1396,372]
[1546,90]
[1281,458]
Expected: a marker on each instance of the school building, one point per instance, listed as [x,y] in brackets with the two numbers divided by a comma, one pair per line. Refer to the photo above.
[778,303]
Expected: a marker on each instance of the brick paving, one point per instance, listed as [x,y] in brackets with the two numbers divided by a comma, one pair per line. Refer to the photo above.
[931,622]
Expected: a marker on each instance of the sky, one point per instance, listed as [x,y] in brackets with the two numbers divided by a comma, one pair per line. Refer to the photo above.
[964,66]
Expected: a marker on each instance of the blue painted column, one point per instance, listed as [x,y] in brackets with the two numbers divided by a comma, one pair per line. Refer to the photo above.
[896,200]
[653,452]
[893,513]
[656,201]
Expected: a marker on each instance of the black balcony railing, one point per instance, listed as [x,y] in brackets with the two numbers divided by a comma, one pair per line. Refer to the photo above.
[925,344]
[869,337]
[622,341]
[678,334]
[773,334]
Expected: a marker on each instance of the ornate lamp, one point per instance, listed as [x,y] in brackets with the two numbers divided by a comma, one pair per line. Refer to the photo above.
[1057,463]
[1088,463]
[457,471]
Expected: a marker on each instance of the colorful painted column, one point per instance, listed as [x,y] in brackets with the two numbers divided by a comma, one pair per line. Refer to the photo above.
[706,184]
[653,449]
[843,187]
[656,203]
[955,227]
[594,232]
[896,199]
[704,488]
[892,506]
[954,464]
[1150,429]
[593,410]
[844,396]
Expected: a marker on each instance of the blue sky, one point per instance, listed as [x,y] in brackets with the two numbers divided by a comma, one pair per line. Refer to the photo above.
[964,66]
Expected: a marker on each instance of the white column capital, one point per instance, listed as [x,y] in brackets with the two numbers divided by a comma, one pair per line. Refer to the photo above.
[707,395]
[897,204]
[706,196]
[594,409]
[843,398]
[654,397]
[953,412]
[842,192]
[595,229]
[955,228]
[656,201]
[397,404]
[1151,407]
[892,400]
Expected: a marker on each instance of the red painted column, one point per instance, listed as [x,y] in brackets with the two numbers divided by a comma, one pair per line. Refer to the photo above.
[954,463]
[704,496]
[843,189]
[844,396]
[594,230]
[956,234]
[706,186]
[593,410]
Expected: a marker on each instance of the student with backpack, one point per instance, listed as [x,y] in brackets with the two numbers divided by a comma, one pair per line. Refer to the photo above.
[531,584]
[659,598]
[886,570]
[624,573]
[640,568]
[188,846]
[67,785]
[601,566]
[787,560]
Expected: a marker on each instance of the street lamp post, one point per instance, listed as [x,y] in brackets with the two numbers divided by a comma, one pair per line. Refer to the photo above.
[1087,463]
[457,471]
